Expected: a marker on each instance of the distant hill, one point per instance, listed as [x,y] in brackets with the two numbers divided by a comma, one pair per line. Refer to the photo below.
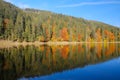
[38,25]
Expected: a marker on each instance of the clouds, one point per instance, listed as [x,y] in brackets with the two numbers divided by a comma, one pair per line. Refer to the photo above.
[8,1]
[88,4]
[19,4]
[23,6]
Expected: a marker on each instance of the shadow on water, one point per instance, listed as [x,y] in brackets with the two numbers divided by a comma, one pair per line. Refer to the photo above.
[31,61]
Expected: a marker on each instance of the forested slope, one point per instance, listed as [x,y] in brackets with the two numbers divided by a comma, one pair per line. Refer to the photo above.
[37,25]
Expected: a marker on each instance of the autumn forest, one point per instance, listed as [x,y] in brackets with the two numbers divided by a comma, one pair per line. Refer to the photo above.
[37,25]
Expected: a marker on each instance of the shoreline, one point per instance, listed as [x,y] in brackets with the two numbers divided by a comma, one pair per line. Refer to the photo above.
[7,43]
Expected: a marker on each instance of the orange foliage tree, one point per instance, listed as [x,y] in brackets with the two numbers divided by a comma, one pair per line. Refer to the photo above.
[65,51]
[110,36]
[99,50]
[64,34]
[79,37]
[98,35]
[110,50]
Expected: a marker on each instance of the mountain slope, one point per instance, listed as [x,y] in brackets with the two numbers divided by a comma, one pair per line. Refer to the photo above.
[38,25]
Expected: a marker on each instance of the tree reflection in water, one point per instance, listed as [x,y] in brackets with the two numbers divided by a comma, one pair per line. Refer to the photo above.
[41,60]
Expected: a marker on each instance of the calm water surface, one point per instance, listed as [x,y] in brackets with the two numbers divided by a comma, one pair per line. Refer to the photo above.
[61,62]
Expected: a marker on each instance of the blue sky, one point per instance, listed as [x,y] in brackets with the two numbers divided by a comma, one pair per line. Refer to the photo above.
[107,11]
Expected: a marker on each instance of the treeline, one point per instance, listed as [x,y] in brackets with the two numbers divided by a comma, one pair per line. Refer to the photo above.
[38,25]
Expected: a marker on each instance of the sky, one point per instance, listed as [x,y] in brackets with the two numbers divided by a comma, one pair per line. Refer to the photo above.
[107,11]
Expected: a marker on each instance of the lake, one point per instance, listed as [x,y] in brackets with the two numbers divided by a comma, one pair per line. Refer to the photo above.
[84,61]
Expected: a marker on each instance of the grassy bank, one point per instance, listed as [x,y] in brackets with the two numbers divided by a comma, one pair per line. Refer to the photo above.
[7,44]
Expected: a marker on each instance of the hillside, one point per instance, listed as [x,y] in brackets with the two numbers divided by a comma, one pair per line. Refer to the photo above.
[39,25]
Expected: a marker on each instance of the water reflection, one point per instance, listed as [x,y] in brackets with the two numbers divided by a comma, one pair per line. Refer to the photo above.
[30,61]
